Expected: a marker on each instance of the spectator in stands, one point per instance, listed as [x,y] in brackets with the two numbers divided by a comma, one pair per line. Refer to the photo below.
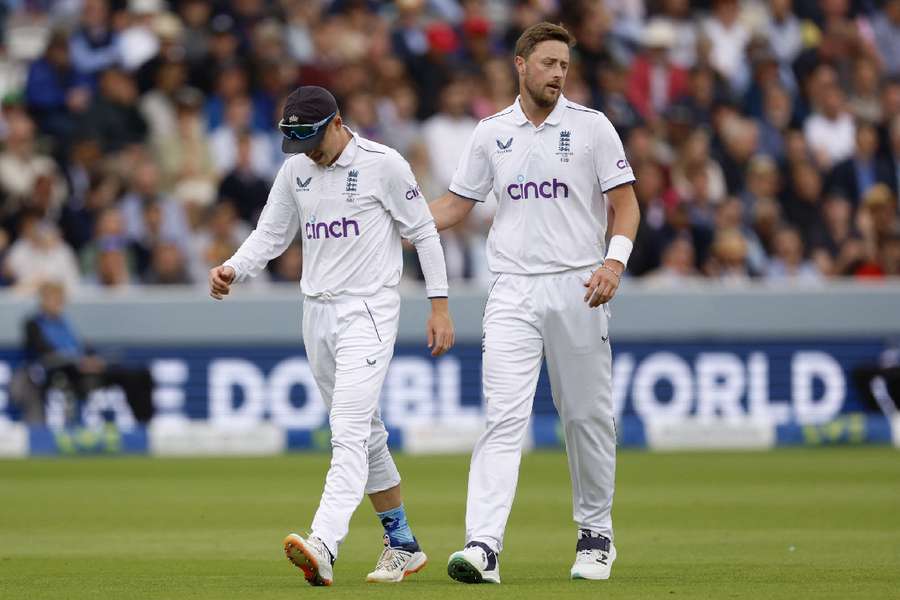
[152,216]
[20,167]
[678,259]
[167,266]
[790,263]
[243,188]
[108,234]
[113,117]
[728,260]
[186,153]
[55,92]
[886,29]
[864,102]
[728,37]
[830,131]
[654,81]
[60,358]
[39,254]
[288,267]
[223,141]
[784,31]
[802,205]
[855,176]
[95,45]
[159,105]
[836,244]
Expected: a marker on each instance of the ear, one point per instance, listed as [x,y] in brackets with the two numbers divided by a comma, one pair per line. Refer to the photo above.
[520,66]
[337,122]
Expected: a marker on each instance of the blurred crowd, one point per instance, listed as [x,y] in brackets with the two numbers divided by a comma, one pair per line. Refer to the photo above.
[138,138]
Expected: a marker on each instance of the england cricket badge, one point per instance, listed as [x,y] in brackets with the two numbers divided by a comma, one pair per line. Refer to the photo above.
[352,185]
[565,146]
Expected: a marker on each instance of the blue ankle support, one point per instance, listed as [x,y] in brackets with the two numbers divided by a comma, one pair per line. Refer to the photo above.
[396,527]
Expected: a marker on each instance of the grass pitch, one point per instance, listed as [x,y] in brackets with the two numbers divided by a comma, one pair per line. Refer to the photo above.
[821,523]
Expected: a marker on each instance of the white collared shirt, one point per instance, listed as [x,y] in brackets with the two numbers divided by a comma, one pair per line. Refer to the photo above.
[549,182]
[351,216]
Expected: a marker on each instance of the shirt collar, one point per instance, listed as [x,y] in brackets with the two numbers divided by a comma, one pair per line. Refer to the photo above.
[350,150]
[553,118]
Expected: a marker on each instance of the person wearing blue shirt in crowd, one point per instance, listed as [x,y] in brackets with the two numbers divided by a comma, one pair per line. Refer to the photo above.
[57,356]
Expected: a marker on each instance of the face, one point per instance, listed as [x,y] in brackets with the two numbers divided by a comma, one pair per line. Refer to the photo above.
[543,74]
[331,146]
[52,299]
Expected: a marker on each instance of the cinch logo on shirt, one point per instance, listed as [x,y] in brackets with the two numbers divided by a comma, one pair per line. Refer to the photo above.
[336,229]
[544,189]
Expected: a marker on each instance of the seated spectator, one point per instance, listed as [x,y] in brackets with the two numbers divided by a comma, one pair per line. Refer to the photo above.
[655,82]
[185,151]
[830,131]
[790,263]
[39,254]
[242,187]
[728,37]
[21,165]
[836,244]
[886,30]
[95,44]
[223,141]
[855,176]
[802,202]
[113,117]
[678,260]
[728,260]
[167,266]
[108,234]
[55,92]
[113,273]
[58,357]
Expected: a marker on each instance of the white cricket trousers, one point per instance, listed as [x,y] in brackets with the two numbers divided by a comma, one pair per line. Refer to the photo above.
[526,318]
[349,342]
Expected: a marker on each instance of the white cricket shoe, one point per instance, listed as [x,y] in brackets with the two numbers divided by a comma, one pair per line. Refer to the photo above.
[310,556]
[476,563]
[594,557]
[395,564]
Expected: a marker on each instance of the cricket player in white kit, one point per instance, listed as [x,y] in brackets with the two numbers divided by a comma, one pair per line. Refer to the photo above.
[555,168]
[351,200]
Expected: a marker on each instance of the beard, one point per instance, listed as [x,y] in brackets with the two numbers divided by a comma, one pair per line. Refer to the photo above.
[541,95]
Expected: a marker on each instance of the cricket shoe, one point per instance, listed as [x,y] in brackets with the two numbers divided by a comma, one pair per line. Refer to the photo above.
[395,564]
[594,556]
[476,563]
[310,556]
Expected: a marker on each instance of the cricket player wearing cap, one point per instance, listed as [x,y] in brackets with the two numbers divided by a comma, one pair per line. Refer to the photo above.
[555,168]
[352,201]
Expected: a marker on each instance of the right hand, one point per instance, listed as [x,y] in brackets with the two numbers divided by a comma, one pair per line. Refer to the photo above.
[220,279]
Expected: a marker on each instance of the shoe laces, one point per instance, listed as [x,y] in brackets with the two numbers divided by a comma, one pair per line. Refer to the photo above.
[590,555]
[392,559]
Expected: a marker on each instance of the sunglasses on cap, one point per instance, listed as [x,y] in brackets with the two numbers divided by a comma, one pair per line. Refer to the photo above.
[303,131]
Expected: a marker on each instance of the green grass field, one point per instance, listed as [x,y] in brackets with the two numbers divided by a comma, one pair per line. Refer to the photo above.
[821,523]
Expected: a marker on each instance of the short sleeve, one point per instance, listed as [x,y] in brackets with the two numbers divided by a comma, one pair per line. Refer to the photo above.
[403,198]
[610,163]
[473,178]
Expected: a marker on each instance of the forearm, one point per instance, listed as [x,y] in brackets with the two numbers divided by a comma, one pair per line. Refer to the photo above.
[449,210]
[626,215]
[431,260]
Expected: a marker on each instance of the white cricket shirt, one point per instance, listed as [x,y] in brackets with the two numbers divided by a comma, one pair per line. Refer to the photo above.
[351,216]
[549,182]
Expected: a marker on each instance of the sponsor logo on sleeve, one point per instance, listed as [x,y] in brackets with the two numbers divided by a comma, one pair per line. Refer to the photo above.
[412,193]
[622,163]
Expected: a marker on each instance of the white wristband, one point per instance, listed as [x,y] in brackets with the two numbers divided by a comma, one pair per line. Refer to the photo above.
[619,249]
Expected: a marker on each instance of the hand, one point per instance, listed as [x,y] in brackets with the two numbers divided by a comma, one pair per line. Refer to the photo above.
[604,282]
[440,327]
[220,279]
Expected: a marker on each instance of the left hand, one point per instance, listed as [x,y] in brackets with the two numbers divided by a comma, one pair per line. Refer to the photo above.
[440,331]
[604,282]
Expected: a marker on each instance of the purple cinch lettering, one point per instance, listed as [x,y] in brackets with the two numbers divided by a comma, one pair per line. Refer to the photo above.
[514,188]
[529,185]
[545,194]
[563,186]
[331,230]
[347,222]
[309,234]
[321,231]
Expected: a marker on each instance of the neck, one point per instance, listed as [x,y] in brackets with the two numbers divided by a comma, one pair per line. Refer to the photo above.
[345,139]
[534,113]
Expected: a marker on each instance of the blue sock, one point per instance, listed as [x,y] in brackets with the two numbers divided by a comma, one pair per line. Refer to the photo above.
[396,528]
